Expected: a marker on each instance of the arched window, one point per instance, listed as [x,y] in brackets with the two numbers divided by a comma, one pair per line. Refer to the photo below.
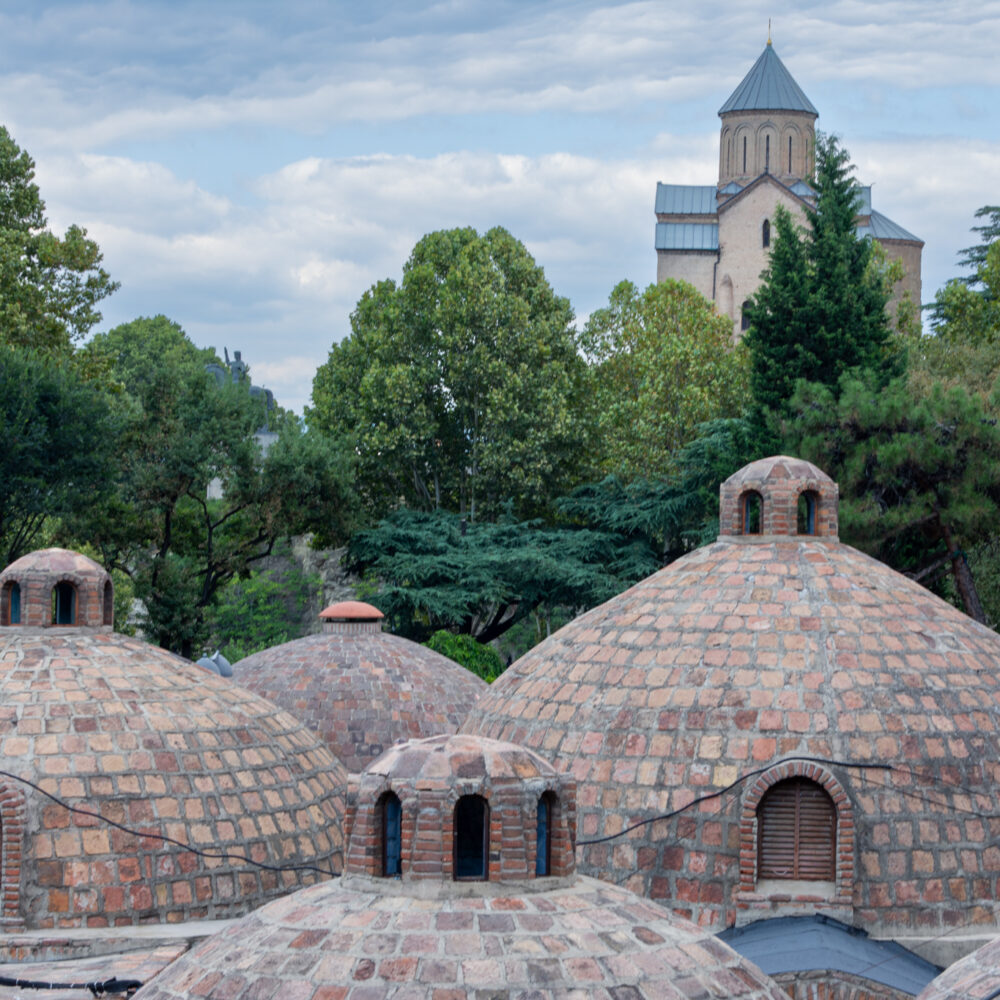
[767,154]
[543,834]
[391,810]
[744,154]
[109,604]
[745,316]
[64,604]
[797,832]
[472,838]
[765,233]
[10,604]
[751,510]
[789,154]
[808,505]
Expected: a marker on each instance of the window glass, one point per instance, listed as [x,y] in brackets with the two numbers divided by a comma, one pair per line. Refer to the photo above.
[392,827]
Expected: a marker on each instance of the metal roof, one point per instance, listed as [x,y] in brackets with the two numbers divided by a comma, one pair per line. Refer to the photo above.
[883,228]
[687,236]
[802,944]
[768,87]
[686,199]
[865,199]
[802,189]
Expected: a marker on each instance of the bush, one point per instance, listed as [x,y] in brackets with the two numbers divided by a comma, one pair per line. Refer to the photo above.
[483,661]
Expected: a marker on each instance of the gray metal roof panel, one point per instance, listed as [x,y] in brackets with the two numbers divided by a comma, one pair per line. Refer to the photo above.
[768,87]
[802,944]
[687,236]
[883,228]
[686,199]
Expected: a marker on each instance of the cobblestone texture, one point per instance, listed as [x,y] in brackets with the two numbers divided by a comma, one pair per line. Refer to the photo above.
[590,940]
[146,739]
[361,690]
[744,653]
[974,977]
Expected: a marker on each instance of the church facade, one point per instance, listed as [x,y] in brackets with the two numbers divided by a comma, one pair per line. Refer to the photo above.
[717,236]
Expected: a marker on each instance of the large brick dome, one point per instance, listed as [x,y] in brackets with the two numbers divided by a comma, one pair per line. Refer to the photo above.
[359,688]
[975,977]
[110,725]
[787,663]
[425,934]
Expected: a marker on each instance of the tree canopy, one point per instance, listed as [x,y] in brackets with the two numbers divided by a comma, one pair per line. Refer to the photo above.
[49,286]
[663,362]
[459,386]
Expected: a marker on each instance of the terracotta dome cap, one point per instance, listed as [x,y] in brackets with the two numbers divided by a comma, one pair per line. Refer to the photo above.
[351,611]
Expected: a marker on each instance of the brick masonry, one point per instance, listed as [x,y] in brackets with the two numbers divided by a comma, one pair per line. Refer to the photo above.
[745,653]
[974,977]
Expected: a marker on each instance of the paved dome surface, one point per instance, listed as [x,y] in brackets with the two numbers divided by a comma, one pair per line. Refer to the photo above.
[975,977]
[742,659]
[361,689]
[114,726]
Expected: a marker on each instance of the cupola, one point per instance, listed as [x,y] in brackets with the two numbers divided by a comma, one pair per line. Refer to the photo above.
[351,618]
[56,588]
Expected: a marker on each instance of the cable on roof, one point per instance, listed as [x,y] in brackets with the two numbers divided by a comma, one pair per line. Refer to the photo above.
[108,987]
[217,855]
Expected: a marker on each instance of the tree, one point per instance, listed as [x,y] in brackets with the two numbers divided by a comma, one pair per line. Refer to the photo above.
[49,287]
[58,435]
[821,309]
[458,386]
[178,542]
[663,363]
[917,475]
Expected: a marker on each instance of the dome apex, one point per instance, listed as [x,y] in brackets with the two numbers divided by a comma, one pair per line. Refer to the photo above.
[351,611]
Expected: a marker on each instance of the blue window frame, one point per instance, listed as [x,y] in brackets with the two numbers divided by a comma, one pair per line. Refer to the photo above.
[392,835]
[543,835]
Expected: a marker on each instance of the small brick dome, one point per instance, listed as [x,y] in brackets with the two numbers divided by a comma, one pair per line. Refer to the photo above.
[430,936]
[56,588]
[359,688]
[112,725]
[795,667]
[975,977]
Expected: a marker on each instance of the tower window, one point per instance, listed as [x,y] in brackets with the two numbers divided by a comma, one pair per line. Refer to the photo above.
[744,154]
[751,509]
[109,604]
[789,154]
[64,604]
[543,835]
[808,502]
[796,832]
[472,838]
[767,154]
[10,604]
[392,834]
[765,233]
[745,316]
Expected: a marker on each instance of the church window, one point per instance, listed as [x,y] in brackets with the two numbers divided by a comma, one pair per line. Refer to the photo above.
[796,832]
[808,502]
[543,835]
[10,604]
[391,810]
[751,508]
[472,838]
[744,154]
[767,154]
[64,604]
[745,316]
[789,154]
[765,233]
[109,604]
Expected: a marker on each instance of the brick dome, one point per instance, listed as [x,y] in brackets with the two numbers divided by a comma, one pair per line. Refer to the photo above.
[975,977]
[56,588]
[114,726]
[779,658]
[359,688]
[430,936]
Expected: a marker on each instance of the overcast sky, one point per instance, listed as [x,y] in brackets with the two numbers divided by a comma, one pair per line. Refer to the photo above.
[250,167]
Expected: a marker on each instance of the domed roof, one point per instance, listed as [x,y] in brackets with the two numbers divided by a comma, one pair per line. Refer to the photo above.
[768,87]
[359,688]
[766,658]
[424,934]
[975,977]
[106,724]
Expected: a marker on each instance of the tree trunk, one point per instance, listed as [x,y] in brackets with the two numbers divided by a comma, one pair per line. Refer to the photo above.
[963,578]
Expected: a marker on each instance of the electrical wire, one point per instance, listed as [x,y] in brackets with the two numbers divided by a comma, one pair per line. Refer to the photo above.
[98,989]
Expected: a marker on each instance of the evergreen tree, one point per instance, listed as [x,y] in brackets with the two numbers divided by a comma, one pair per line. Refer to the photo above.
[821,309]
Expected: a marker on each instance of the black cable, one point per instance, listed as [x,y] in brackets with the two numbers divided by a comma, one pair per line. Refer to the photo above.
[216,855]
[97,989]
[722,791]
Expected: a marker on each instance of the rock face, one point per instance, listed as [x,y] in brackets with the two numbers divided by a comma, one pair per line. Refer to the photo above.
[427,935]
[822,704]
[361,689]
[123,732]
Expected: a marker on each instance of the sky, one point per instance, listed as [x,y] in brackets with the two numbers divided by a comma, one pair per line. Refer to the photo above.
[250,168]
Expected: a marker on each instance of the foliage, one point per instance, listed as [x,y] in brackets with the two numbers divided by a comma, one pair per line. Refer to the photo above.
[820,311]
[183,433]
[458,385]
[663,363]
[917,476]
[438,571]
[49,287]
[257,612]
[484,661]
[58,434]
[974,258]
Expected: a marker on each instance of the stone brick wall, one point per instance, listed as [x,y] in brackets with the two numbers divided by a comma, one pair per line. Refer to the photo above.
[39,573]
[799,126]
[695,267]
[831,985]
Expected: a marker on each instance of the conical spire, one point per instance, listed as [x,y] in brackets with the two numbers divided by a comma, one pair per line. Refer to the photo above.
[768,87]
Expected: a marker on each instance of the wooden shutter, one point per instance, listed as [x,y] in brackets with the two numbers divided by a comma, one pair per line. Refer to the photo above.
[797,832]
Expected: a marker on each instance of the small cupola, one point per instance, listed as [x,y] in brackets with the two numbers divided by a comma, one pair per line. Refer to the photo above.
[458,809]
[778,496]
[56,588]
[351,617]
